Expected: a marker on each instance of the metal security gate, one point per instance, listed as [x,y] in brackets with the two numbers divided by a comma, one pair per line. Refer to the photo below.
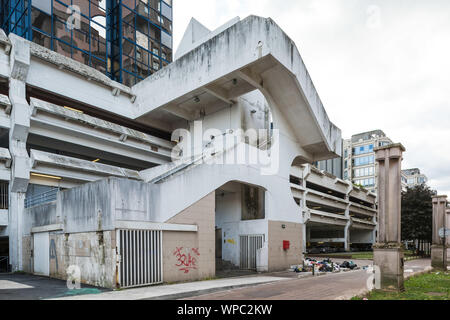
[140,257]
[249,246]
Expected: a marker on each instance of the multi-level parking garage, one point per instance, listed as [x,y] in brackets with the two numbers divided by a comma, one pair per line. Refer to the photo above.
[338,216]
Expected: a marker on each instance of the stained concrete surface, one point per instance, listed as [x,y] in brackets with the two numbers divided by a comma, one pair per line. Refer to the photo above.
[15,286]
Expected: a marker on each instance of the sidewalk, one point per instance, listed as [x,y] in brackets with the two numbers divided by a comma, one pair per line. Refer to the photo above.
[177,291]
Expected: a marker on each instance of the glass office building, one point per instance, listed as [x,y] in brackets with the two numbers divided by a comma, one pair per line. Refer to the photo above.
[127,40]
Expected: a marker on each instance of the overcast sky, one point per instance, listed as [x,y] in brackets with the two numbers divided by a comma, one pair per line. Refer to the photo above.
[377,64]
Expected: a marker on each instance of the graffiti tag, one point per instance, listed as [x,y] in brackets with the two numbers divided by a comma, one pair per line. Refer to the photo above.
[186,258]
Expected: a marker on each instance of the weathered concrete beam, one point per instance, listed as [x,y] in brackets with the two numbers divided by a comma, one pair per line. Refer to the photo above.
[180,112]
[251,78]
[219,93]
[4,40]
[141,225]
[60,167]
[19,57]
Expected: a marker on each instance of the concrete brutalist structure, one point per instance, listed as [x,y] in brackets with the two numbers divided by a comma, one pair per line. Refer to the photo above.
[94,184]
[337,215]
[388,251]
[439,248]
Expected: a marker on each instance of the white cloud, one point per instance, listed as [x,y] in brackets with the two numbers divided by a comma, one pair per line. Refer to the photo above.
[377,64]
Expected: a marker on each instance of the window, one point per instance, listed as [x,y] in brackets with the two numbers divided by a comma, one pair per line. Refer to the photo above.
[4,195]
[364,172]
[363,149]
[370,182]
[363,161]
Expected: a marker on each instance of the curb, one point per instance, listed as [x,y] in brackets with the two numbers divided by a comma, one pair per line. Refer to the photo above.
[418,273]
[196,293]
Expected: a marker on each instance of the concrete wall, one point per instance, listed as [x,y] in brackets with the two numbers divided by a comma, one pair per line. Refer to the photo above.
[27,247]
[94,253]
[96,206]
[189,256]
[280,259]
[40,215]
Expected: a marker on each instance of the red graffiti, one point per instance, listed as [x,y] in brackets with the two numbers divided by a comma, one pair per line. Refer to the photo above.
[186,259]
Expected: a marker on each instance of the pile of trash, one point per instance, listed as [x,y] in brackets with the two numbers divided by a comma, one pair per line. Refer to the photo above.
[349,265]
[326,265]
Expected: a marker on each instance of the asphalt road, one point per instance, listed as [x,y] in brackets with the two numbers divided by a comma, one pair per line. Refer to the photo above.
[337,286]
[30,287]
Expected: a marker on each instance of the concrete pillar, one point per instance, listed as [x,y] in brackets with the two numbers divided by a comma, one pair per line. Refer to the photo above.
[375,230]
[347,226]
[438,253]
[347,236]
[447,223]
[388,251]
[18,135]
[304,238]
[448,237]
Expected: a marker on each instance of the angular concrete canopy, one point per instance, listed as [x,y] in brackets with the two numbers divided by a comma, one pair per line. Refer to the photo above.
[252,54]
[194,32]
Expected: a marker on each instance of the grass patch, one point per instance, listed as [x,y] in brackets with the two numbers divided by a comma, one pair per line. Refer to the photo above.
[430,286]
[345,255]
[362,255]
[409,255]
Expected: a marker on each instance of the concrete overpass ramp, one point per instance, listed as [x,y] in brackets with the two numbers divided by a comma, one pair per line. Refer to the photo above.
[252,54]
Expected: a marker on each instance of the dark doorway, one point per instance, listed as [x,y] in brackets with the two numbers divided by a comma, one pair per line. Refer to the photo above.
[4,254]
[218,245]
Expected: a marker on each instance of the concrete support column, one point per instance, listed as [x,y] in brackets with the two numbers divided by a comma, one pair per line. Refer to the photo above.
[388,251]
[448,235]
[304,240]
[347,236]
[347,226]
[374,232]
[306,217]
[16,208]
[438,252]
[18,135]
[447,214]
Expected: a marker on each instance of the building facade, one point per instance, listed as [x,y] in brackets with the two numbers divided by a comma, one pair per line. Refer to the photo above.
[359,165]
[139,185]
[413,177]
[332,166]
[127,40]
